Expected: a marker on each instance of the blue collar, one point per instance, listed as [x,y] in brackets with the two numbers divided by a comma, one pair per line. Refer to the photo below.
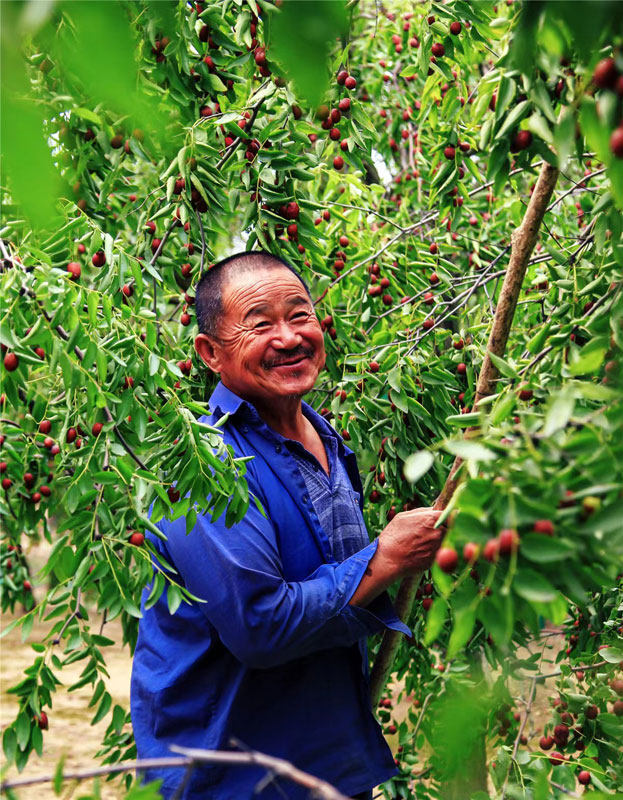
[224,401]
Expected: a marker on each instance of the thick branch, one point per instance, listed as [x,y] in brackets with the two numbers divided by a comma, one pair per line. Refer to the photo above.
[523,241]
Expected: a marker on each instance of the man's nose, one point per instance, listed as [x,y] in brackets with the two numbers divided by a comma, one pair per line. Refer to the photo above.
[286,336]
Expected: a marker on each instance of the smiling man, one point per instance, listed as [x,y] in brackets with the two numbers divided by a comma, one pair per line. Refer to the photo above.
[276,655]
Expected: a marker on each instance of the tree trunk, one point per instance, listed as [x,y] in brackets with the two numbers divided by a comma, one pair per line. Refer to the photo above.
[523,242]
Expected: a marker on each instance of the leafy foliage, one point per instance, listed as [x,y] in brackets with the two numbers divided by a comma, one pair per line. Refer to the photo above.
[394,177]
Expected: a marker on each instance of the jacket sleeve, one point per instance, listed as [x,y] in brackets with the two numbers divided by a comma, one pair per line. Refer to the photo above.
[260,617]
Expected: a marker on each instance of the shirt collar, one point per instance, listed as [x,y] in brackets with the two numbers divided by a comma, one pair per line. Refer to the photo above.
[224,401]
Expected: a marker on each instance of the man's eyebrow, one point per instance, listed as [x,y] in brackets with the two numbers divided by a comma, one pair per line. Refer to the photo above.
[296,301]
[264,307]
[261,309]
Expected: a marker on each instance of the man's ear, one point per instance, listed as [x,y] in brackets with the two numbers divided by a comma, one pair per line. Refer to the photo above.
[208,351]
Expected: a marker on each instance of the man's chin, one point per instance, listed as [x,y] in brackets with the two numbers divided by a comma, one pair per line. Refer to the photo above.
[297,380]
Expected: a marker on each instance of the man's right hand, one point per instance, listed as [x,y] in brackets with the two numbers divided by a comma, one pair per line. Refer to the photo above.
[410,541]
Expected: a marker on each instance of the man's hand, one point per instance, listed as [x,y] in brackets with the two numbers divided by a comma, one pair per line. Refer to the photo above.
[411,540]
[406,546]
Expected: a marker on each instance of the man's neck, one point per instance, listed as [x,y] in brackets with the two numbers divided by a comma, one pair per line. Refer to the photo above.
[282,414]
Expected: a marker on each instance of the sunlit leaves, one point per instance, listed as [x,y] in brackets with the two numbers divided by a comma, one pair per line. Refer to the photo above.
[34,180]
[301,34]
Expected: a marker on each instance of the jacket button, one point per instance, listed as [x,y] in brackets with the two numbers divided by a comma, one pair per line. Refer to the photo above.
[278,448]
[305,498]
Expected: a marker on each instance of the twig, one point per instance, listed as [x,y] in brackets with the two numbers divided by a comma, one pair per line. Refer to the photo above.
[192,756]
[540,355]
[203,244]
[123,442]
[10,422]
[73,615]
[369,211]
[83,774]
[544,676]
[280,766]
[410,229]
[563,789]
[574,187]
[427,700]
[520,734]
[234,145]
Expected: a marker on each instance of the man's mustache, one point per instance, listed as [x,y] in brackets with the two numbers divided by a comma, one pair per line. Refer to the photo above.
[291,355]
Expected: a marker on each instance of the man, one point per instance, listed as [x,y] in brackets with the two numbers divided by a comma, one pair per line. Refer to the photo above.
[276,655]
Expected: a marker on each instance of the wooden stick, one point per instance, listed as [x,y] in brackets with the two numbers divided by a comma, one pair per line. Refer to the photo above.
[188,756]
[523,241]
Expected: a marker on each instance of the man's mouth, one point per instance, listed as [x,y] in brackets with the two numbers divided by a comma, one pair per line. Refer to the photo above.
[295,360]
[291,363]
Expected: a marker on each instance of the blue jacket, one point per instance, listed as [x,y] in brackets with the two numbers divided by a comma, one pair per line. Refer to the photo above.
[276,657]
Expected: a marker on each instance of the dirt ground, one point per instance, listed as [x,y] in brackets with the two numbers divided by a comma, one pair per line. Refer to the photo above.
[70,733]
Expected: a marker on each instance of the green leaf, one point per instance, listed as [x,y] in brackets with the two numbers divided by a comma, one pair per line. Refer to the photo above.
[26,154]
[103,709]
[537,124]
[153,363]
[465,449]
[496,614]
[535,344]
[545,549]
[611,725]
[533,587]
[564,137]
[503,408]
[156,591]
[393,379]
[435,618]
[513,118]
[502,366]
[102,365]
[216,83]
[589,359]
[300,40]
[560,411]
[607,520]
[174,597]
[464,621]
[613,655]
[36,738]
[417,465]
[540,97]
[9,744]
[58,775]
[22,729]
[129,606]
[92,302]
[595,132]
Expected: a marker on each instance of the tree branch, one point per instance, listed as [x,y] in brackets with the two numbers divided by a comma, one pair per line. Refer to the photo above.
[522,244]
[190,756]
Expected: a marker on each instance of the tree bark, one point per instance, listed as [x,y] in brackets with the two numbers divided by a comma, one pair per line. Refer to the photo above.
[523,241]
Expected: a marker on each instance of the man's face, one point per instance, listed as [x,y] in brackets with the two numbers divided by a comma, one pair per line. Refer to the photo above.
[271,343]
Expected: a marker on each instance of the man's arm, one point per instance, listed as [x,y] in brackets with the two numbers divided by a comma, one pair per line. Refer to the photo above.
[260,617]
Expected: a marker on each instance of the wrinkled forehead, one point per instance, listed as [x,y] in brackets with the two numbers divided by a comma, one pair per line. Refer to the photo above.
[269,285]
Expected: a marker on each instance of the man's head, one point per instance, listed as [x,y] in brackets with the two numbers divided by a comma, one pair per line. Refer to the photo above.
[258,328]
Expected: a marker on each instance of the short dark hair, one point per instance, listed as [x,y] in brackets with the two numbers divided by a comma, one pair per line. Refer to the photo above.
[209,292]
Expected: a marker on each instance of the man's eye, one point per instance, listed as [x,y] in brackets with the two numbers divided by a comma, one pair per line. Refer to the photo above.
[262,324]
[300,314]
